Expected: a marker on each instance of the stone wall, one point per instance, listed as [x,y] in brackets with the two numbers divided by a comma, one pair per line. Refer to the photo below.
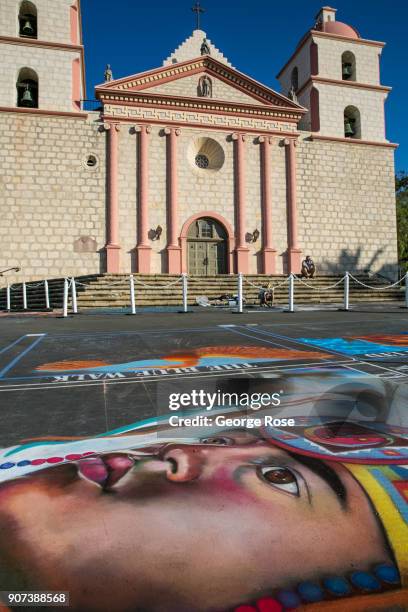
[346,204]
[53,19]
[49,198]
[333,99]
[54,70]
[367,57]
[301,61]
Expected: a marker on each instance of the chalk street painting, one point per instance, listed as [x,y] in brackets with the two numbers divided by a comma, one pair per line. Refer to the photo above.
[200,359]
[312,517]
[376,347]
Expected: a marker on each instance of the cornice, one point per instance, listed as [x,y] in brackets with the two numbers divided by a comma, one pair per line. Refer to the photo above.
[341,83]
[206,105]
[353,41]
[34,42]
[43,112]
[192,125]
[354,141]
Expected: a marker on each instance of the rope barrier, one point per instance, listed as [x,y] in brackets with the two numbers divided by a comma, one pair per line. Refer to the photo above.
[259,287]
[158,286]
[377,288]
[319,288]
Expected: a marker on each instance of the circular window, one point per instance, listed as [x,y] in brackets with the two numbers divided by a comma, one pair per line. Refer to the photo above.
[205,154]
[90,162]
[202,161]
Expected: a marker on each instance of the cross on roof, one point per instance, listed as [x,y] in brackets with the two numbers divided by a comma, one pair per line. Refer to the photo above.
[199,11]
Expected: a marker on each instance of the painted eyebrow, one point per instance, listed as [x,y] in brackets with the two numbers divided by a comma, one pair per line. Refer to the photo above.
[326,473]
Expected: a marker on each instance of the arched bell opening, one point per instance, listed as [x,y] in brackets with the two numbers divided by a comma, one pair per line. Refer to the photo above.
[27,20]
[352,122]
[207,248]
[294,79]
[348,66]
[27,88]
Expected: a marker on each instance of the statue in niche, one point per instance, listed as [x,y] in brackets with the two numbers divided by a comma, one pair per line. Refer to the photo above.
[205,49]
[108,74]
[292,94]
[205,87]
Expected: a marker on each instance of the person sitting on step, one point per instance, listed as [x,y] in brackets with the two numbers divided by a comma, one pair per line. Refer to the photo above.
[308,267]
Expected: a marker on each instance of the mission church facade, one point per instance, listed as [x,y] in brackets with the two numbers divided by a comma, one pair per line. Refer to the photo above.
[193,166]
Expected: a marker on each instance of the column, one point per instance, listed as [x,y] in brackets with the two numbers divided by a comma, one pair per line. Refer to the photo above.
[143,248]
[268,252]
[241,250]
[173,246]
[112,247]
[294,254]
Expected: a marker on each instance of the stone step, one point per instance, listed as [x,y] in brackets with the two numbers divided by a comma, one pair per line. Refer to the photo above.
[112,290]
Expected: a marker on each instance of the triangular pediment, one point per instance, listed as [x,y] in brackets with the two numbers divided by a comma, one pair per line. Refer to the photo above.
[182,80]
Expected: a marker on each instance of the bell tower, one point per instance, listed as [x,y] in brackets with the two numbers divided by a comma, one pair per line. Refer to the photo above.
[42,56]
[335,74]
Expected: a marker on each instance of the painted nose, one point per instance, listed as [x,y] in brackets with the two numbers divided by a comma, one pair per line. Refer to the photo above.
[185,463]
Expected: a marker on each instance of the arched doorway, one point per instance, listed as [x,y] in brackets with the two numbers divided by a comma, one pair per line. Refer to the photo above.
[206,248]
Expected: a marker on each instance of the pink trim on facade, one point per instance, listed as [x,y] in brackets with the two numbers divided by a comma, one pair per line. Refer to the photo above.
[173,248]
[143,248]
[41,111]
[314,110]
[230,237]
[34,42]
[268,252]
[294,254]
[316,79]
[241,251]
[355,141]
[74,24]
[76,83]
[112,223]
[314,58]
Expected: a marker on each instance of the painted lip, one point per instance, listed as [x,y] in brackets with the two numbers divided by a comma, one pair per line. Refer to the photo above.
[106,470]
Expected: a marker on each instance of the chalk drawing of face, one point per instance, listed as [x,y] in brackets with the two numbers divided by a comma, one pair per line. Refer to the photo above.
[185,527]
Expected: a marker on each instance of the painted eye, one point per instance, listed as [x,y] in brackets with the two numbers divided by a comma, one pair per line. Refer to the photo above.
[218,441]
[280,477]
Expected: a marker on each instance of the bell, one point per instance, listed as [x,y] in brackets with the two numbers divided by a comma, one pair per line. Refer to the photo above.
[347,71]
[27,99]
[28,29]
[348,129]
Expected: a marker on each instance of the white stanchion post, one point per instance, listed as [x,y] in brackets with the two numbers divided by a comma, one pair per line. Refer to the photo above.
[132,294]
[240,300]
[47,295]
[346,302]
[8,297]
[24,296]
[291,293]
[185,292]
[406,289]
[74,296]
[65,303]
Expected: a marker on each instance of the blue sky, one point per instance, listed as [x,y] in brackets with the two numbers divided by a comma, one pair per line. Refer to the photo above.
[257,36]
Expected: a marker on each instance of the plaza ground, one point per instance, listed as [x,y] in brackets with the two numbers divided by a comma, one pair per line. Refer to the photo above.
[90,374]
